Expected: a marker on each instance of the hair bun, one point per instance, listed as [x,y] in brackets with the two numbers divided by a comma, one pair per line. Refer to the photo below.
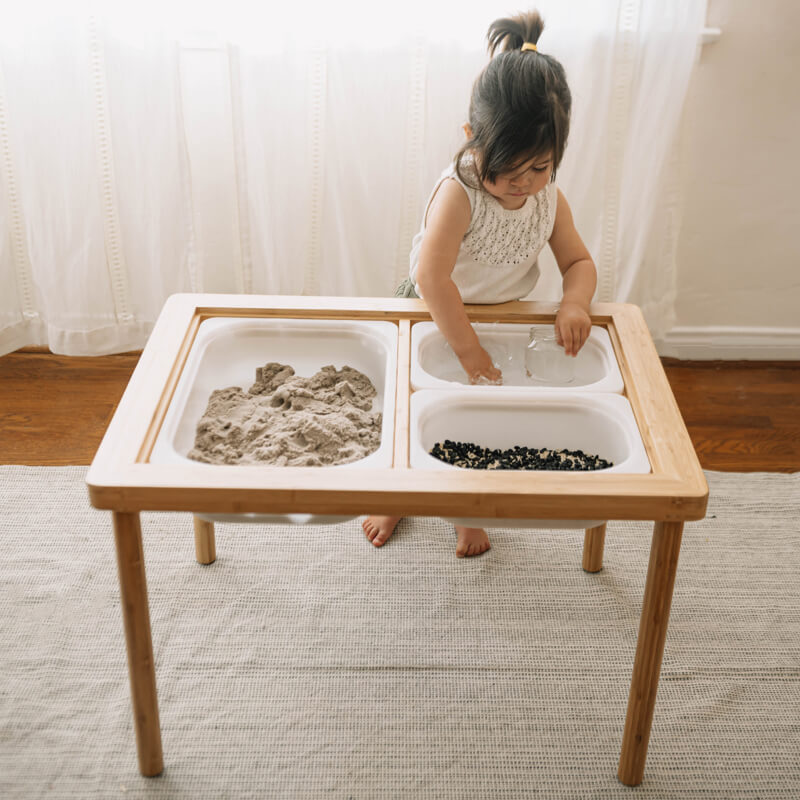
[511,33]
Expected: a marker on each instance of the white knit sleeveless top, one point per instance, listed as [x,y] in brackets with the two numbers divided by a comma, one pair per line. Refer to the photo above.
[497,260]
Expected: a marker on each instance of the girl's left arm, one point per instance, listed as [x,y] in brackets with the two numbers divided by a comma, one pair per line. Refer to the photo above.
[573,323]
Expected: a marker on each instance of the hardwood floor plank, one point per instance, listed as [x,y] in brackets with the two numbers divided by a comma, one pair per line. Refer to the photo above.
[741,416]
[55,409]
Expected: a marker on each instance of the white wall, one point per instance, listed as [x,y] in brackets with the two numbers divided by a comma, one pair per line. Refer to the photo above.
[738,293]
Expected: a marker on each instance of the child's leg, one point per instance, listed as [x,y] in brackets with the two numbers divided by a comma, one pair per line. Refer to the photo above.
[471,541]
[379,529]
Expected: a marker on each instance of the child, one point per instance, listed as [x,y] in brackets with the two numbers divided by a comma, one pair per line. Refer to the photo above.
[492,212]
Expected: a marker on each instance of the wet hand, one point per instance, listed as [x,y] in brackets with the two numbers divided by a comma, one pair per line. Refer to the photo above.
[479,367]
[573,326]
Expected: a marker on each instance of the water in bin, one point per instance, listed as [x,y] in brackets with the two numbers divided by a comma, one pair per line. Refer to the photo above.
[448,367]
[542,362]
[545,359]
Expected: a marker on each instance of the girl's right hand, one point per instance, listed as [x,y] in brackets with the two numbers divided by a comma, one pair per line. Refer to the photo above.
[479,367]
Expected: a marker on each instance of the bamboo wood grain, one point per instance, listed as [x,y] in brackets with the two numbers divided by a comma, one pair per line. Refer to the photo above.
[235,305]
[644,420]
[593,545]
[143,397]
[663,431]
[663,565]
[138,638]
[403,396]
[205,547]
[165,397]
[236,489]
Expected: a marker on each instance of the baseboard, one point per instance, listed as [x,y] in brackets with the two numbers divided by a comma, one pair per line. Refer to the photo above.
[723,343]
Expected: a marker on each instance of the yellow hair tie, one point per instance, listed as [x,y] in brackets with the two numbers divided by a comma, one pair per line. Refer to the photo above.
[528,46]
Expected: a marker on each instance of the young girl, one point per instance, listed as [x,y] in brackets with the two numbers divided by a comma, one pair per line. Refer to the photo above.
[492,212]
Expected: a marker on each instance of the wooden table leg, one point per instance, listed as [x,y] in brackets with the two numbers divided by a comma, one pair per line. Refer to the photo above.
[205,548]
[593,543]
[136,618]
[664,551]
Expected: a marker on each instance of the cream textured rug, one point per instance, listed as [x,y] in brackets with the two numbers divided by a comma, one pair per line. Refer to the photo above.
[305,663]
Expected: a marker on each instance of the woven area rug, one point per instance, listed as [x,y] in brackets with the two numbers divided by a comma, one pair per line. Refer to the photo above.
[305,663]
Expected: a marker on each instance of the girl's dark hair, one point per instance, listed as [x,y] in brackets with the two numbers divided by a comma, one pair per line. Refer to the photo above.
[520,102]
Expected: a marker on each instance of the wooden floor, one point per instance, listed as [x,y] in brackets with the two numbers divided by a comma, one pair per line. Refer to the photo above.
[742,416]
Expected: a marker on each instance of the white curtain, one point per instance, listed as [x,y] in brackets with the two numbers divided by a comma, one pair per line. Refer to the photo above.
[339,122]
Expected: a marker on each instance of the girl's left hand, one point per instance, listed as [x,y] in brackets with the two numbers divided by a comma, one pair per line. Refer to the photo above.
[573,326]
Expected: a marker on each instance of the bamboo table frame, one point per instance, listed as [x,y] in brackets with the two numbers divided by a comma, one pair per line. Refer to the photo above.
[122,479]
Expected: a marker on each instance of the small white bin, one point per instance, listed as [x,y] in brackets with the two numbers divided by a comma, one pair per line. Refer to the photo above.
[597,423]
[434,364]
[226,352]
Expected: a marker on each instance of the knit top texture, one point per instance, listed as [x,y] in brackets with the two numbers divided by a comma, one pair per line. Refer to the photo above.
[498,257]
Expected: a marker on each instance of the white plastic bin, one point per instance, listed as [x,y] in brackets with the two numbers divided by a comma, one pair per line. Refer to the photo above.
[597,423]
[227,351]
[434,364]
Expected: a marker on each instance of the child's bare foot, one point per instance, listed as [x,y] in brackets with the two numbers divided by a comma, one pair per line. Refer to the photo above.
[471,541]
[379,529]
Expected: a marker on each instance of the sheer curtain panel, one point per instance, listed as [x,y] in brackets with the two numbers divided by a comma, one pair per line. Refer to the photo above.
[324,133]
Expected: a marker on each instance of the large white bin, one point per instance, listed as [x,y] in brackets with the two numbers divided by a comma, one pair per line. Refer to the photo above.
[602,424]
[226,352]
[434,364]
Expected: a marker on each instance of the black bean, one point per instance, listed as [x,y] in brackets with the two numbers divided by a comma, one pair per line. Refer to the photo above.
[473,456]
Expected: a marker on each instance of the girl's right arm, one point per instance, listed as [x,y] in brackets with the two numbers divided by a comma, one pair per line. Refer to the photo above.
[447,222]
